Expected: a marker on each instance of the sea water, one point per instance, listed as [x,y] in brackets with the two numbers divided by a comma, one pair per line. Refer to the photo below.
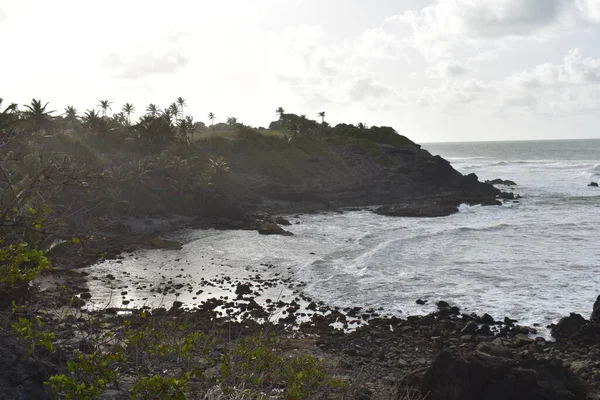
[534,260]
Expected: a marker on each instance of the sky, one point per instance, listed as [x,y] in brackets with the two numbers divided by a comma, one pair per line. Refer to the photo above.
[435,70]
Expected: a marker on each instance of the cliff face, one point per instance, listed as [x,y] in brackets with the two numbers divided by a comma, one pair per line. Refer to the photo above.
[406,179]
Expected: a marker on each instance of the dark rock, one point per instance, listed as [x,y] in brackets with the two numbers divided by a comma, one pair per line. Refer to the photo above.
[504,182]
[485,330]
[494,350]
[282,221]
[479,376]
[506,196]
[243,289]
[418,209]
[442,304]
[21,377]
[273,229]
[421,302]
[487,319]
[595,317]
[469,329]
[593,184]
[567,326]
[454,310]
[85,295]
[177,304]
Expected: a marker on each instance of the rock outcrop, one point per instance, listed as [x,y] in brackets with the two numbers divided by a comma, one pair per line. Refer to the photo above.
[273,229]
[576,329]
[498,181]
[350,173]
[467,375]
[593,184]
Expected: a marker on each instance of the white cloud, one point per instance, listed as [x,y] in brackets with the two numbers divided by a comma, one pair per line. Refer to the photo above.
[573,86]
[448,69]
[366,87]
[451,94]
[446,26]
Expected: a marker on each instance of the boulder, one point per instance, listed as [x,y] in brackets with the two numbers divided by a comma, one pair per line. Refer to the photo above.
[504,182]
[469,329]
[487,319]
[282,221]
[567,326]
[442,304]
[593,184]
[273,229]
[468,375]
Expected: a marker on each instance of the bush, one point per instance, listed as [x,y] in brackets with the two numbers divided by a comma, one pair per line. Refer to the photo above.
[19,265]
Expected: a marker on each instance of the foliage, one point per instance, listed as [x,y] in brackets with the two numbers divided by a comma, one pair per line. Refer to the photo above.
[161,387]
[19,265]
[256,364]
[31,331]
[87,376]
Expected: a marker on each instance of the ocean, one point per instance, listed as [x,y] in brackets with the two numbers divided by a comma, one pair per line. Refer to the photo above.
[534,260]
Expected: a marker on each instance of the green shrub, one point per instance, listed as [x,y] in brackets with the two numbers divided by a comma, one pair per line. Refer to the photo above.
[255,364]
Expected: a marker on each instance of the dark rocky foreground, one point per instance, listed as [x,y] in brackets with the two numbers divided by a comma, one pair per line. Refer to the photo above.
[443,355]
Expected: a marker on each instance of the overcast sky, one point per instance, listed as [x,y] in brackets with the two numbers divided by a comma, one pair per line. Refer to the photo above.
[435,70]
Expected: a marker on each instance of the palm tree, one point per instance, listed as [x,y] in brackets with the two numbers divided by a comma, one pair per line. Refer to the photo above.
[70,113]
[280,111]
[71,116]
[212,117]
[217,168]
[322,115]
[8,116]
[174,111]
[362,126]
[182,103]
[37,114]
[92,121]
[105,105]
[152,109]
[128,108]
[232,121]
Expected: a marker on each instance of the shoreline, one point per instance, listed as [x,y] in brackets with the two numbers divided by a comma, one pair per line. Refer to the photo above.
[386,351]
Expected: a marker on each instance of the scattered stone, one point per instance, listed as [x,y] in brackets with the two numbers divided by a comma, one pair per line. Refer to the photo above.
[421,302]
[593,184]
